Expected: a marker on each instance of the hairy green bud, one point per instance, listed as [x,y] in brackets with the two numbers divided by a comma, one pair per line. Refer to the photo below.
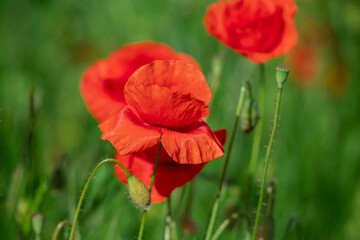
[139,193]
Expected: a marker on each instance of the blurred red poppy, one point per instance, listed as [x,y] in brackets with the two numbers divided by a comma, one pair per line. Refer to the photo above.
[257,29]
[304,62]
[103,83]
[168,97]
[169,174]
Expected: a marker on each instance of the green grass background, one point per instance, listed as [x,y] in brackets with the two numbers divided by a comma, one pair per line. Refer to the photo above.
[48,45]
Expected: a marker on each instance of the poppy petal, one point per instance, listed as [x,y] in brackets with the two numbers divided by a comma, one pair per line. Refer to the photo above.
[169,175]
[259,30]
[103,83]
[127,133]
[192,144]
[178,76]
[160,106]
[94,88]
[221,135]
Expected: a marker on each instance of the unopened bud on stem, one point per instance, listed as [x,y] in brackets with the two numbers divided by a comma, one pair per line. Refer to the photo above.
[139,193]
[249,116]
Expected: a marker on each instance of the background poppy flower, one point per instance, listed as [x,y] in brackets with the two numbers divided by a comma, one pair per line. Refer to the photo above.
[304,62]
[169,97]
[257,29]
[169,174]
[103,83]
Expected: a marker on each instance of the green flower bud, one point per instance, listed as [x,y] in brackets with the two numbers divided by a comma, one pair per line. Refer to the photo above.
[37,223]
[139,193]
[282,73]
[249,116]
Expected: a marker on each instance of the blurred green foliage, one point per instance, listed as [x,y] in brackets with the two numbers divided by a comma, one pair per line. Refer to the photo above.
[49,142]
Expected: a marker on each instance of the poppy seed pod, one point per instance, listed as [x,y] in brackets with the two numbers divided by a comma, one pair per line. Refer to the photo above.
[282,73]
[139,193]
[37,222]
[249,116]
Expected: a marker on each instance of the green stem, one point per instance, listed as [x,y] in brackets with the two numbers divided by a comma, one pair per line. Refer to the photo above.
[59,227]
[87,186]
[256,140]
[155,167]
[168,220]
[141,230]
[227,221]
[267,156]
[259,127]
[218,192]
[223,226]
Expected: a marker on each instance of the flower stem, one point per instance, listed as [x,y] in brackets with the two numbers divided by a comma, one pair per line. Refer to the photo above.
[141,230]
[168,221]
[259,128]
[155,167]
[267,156]
[257,138]
[227,221]
[59,227]
[218,192]
[87,186]
[223,226]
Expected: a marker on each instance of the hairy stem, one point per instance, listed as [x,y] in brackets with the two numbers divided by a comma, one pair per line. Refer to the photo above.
[259,127]
[221,182]
[87,186]
[59,227]
[267,157]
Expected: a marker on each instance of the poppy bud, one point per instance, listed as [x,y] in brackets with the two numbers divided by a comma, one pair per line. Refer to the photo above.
[249,116]
[282,73]
[37,223]
[139,193]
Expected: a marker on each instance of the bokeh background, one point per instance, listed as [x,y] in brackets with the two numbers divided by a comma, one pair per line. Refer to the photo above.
[49,143]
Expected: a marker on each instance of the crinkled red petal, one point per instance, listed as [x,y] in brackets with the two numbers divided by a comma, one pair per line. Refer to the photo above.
[178,76]
[192,144]
[160,106]
[128,134]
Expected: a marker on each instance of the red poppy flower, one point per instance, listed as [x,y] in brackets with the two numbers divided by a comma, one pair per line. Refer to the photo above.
[168,98]
[103,83]
[257,29]
[169,174]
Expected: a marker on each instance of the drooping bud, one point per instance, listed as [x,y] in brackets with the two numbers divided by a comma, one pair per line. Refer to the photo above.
[37,222]
[249,116]
[139,193]
[282,73]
